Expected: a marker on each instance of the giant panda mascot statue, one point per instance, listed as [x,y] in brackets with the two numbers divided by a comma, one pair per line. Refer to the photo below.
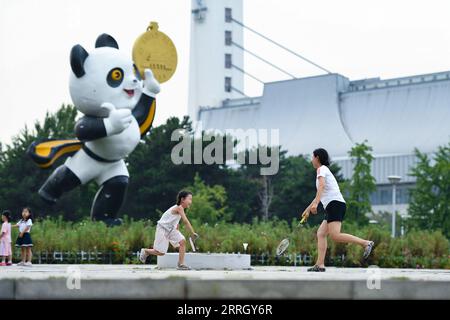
[118,110]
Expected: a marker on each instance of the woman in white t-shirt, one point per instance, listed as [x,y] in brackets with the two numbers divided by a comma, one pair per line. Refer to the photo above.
[329,194]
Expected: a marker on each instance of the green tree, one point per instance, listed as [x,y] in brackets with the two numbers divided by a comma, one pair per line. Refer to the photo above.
[384,220]
[242,195]
[358,189]
[429,206]
[209,202]
[155,180]
[262,185]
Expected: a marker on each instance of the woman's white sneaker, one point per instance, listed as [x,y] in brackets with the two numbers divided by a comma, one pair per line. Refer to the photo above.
[368,249]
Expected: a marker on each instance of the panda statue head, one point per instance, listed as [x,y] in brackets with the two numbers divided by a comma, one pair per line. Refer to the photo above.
[104,75]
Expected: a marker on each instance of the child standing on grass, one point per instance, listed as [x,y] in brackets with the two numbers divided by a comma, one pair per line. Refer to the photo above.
[167,231]
[24,239]
[5,239]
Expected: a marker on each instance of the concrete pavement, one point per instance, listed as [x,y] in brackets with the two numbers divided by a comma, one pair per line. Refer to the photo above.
[148,282]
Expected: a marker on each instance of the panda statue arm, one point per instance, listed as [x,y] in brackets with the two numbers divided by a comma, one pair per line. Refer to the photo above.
[144,112]
[90,128]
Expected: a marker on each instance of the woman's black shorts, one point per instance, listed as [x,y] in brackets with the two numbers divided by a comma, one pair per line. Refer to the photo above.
[335,211]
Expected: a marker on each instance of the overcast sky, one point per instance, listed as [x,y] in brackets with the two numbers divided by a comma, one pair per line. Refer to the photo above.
[356,38]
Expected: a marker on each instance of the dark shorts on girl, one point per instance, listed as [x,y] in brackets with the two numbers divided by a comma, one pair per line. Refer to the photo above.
[25,241]
[335,211]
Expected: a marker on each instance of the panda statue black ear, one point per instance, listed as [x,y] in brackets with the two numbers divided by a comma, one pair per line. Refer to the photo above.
[77,57]
[105,40]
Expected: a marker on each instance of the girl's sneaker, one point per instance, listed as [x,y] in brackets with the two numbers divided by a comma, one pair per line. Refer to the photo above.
[143,256]
[183,267]
[9,263]
[21,263]
[2,264]
[28,264]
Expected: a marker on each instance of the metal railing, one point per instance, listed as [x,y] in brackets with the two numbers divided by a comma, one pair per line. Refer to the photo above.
[233,103]
[111,257]
[369,84]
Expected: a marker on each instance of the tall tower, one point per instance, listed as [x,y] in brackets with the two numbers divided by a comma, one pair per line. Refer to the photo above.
[212,77]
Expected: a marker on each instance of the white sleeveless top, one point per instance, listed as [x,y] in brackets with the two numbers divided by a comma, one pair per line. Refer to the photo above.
[169,220]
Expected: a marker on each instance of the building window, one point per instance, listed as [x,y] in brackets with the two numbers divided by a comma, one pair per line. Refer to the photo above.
[383,195]
[228,62]
[228,38]
[227,14]
[227,84]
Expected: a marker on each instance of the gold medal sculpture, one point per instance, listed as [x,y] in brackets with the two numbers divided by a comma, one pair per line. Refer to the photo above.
[154,50]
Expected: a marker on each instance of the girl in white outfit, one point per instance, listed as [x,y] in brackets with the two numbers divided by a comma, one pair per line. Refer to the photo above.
[24,240]
[167,231]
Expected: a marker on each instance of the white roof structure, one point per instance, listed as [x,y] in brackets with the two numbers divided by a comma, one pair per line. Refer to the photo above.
[398,115]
